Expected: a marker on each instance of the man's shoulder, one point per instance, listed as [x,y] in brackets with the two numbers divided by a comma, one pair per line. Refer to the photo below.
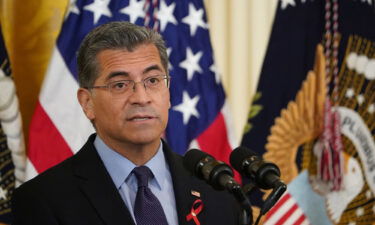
[59,175]
[55,175]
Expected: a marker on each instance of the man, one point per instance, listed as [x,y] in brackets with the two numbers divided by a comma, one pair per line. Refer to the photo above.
[125,173]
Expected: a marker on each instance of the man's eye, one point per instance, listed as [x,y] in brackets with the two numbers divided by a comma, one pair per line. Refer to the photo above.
[153,80]
[119,85]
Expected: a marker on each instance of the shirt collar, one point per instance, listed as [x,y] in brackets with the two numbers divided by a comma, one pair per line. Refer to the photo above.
[159,167]
[119,167]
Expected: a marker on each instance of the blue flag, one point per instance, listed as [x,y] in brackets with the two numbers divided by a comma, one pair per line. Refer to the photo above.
[278,119]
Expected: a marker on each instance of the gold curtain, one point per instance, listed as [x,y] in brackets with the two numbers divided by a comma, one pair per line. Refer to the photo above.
[240,31]
[30,29]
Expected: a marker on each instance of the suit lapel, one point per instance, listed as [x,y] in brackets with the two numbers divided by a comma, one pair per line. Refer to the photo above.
[183,184]
[97,185]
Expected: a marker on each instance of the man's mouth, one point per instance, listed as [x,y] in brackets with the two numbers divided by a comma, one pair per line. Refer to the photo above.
[140,118]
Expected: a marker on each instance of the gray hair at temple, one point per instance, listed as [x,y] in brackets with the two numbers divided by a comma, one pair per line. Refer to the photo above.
[114,35]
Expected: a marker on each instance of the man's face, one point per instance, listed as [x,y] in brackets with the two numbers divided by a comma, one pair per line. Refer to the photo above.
[137,117]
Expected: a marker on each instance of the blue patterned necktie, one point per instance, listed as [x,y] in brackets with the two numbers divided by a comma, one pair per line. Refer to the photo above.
[147,208]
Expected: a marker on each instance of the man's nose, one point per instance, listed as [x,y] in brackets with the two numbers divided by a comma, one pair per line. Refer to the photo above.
[140,94]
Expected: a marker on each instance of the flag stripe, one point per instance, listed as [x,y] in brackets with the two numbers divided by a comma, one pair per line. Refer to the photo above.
[30,169]
[44,154]
[59,100]
[274,209]
[231,135]
[295,216]
[286,217]
[286,211]
[301,220]
[280,211]
[213,140]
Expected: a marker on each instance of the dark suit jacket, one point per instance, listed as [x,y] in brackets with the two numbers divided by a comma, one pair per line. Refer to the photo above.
[80,191]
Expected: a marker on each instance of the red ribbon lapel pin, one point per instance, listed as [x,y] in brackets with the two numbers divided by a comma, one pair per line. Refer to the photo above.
[196,208]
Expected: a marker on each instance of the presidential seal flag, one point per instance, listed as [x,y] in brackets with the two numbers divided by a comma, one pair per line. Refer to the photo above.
[198,113]
[12,146]
[313,114]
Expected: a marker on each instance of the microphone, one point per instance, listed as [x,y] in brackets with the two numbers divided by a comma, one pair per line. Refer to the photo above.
[218,174]
[265,174]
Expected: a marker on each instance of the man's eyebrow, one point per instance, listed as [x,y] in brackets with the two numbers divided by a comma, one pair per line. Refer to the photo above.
[153,67]
[126,74]
[117,73]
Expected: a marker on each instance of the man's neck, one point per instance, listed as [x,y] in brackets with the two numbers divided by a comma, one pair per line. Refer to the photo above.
[139,154]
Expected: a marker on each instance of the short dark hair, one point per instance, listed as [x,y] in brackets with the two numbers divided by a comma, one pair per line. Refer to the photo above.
[114,35]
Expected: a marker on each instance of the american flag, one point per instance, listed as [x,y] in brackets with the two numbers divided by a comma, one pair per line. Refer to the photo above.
[286,211]
[199,113]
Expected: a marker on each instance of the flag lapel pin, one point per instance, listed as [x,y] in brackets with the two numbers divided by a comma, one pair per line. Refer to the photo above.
[195,193]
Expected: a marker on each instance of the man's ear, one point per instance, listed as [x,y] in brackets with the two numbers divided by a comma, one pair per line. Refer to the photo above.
[85,100]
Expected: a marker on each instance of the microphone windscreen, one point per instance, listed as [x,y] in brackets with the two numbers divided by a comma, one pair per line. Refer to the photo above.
[192,158]
[238,155]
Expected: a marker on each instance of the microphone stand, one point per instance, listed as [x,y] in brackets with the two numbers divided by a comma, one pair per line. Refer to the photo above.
[220,176]
[274,196]
[246,216]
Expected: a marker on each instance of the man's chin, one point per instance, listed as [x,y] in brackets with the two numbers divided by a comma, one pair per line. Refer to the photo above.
[144,139]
